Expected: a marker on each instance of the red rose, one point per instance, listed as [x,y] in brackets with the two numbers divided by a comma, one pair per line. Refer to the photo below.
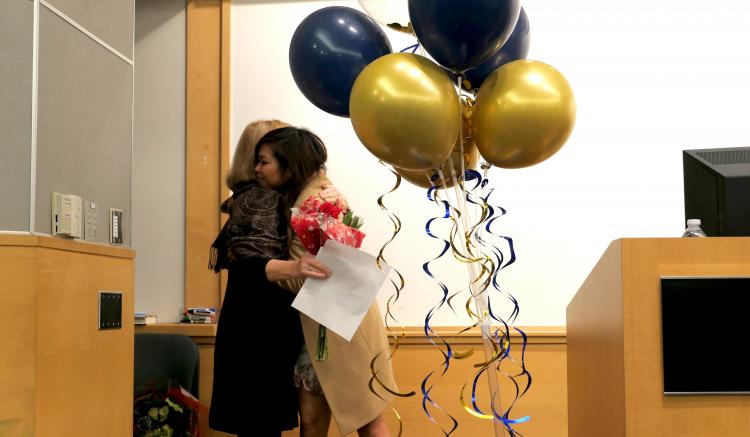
[330,209]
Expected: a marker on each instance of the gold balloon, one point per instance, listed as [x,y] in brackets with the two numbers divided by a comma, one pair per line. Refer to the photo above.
[471,157]
[524,113]
[405,110]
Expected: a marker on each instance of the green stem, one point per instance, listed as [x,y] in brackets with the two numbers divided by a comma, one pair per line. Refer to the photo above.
[322,351]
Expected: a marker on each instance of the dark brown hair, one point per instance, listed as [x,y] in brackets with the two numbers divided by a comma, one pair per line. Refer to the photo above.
[298,151]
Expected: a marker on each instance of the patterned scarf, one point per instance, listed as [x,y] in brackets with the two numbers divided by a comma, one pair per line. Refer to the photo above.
[256,227]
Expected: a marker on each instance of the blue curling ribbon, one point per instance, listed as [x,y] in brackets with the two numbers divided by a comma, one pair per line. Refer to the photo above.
[431,196]
[426,265]
[524,371]
[413,48]
[447,353]
[471,175]
[426,398]
[500,417]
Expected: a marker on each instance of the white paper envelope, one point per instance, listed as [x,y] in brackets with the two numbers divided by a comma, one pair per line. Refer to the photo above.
[341,301]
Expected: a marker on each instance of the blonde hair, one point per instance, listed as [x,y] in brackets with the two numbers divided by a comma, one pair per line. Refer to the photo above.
[243,163]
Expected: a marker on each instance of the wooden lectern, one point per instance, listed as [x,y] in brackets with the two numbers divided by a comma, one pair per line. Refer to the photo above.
[615,381]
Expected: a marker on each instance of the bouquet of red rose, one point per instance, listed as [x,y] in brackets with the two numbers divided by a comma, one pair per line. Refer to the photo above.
[316,221]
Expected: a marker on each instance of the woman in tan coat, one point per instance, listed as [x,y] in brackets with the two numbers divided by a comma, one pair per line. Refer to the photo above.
[340,384]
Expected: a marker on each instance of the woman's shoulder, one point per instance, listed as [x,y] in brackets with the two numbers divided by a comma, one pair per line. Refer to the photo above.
[312,188]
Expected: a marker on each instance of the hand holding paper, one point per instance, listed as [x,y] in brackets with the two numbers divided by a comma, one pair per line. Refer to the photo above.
[341,301]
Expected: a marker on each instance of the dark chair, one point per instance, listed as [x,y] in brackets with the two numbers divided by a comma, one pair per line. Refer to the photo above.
[160,358]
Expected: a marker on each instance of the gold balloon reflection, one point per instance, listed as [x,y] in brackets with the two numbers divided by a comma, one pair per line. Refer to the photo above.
[524,113]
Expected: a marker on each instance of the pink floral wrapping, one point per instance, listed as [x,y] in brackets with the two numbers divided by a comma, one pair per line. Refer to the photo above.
[315,222]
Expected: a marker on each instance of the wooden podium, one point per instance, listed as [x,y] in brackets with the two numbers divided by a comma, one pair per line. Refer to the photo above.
[615,385]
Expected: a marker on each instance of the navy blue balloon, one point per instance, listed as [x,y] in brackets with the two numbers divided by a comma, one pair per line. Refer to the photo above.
[328,51]
[463,34]
[517,47]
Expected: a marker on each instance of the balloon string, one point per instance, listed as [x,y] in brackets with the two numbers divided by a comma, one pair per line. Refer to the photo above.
[498,353]
[461,129]
[490,350]
[466,239]
[503,341]
[501,353]
[457,253]
[460,253]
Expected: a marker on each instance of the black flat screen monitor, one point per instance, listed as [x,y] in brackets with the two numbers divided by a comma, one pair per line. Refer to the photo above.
[705,330]
[717,190]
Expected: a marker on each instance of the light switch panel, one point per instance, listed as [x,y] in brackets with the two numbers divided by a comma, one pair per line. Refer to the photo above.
[115,226]
[89,227]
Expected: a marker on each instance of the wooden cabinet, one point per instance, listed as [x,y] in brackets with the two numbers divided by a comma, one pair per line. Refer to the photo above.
[59,374]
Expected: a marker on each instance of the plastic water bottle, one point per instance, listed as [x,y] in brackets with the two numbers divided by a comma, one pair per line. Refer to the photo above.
[694,229]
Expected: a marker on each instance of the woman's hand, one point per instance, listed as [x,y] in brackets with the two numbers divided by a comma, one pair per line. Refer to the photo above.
[309,267]
[331,194]
[305,267]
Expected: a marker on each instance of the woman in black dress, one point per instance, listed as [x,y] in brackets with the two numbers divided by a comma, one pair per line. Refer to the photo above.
[259,335]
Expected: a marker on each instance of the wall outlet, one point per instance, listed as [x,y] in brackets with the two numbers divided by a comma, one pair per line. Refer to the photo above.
[90,214]
[115,226]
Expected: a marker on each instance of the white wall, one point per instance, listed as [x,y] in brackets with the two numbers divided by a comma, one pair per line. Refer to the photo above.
[159,158]
[650,78]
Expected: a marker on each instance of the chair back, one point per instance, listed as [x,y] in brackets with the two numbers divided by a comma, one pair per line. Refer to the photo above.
[160,358]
